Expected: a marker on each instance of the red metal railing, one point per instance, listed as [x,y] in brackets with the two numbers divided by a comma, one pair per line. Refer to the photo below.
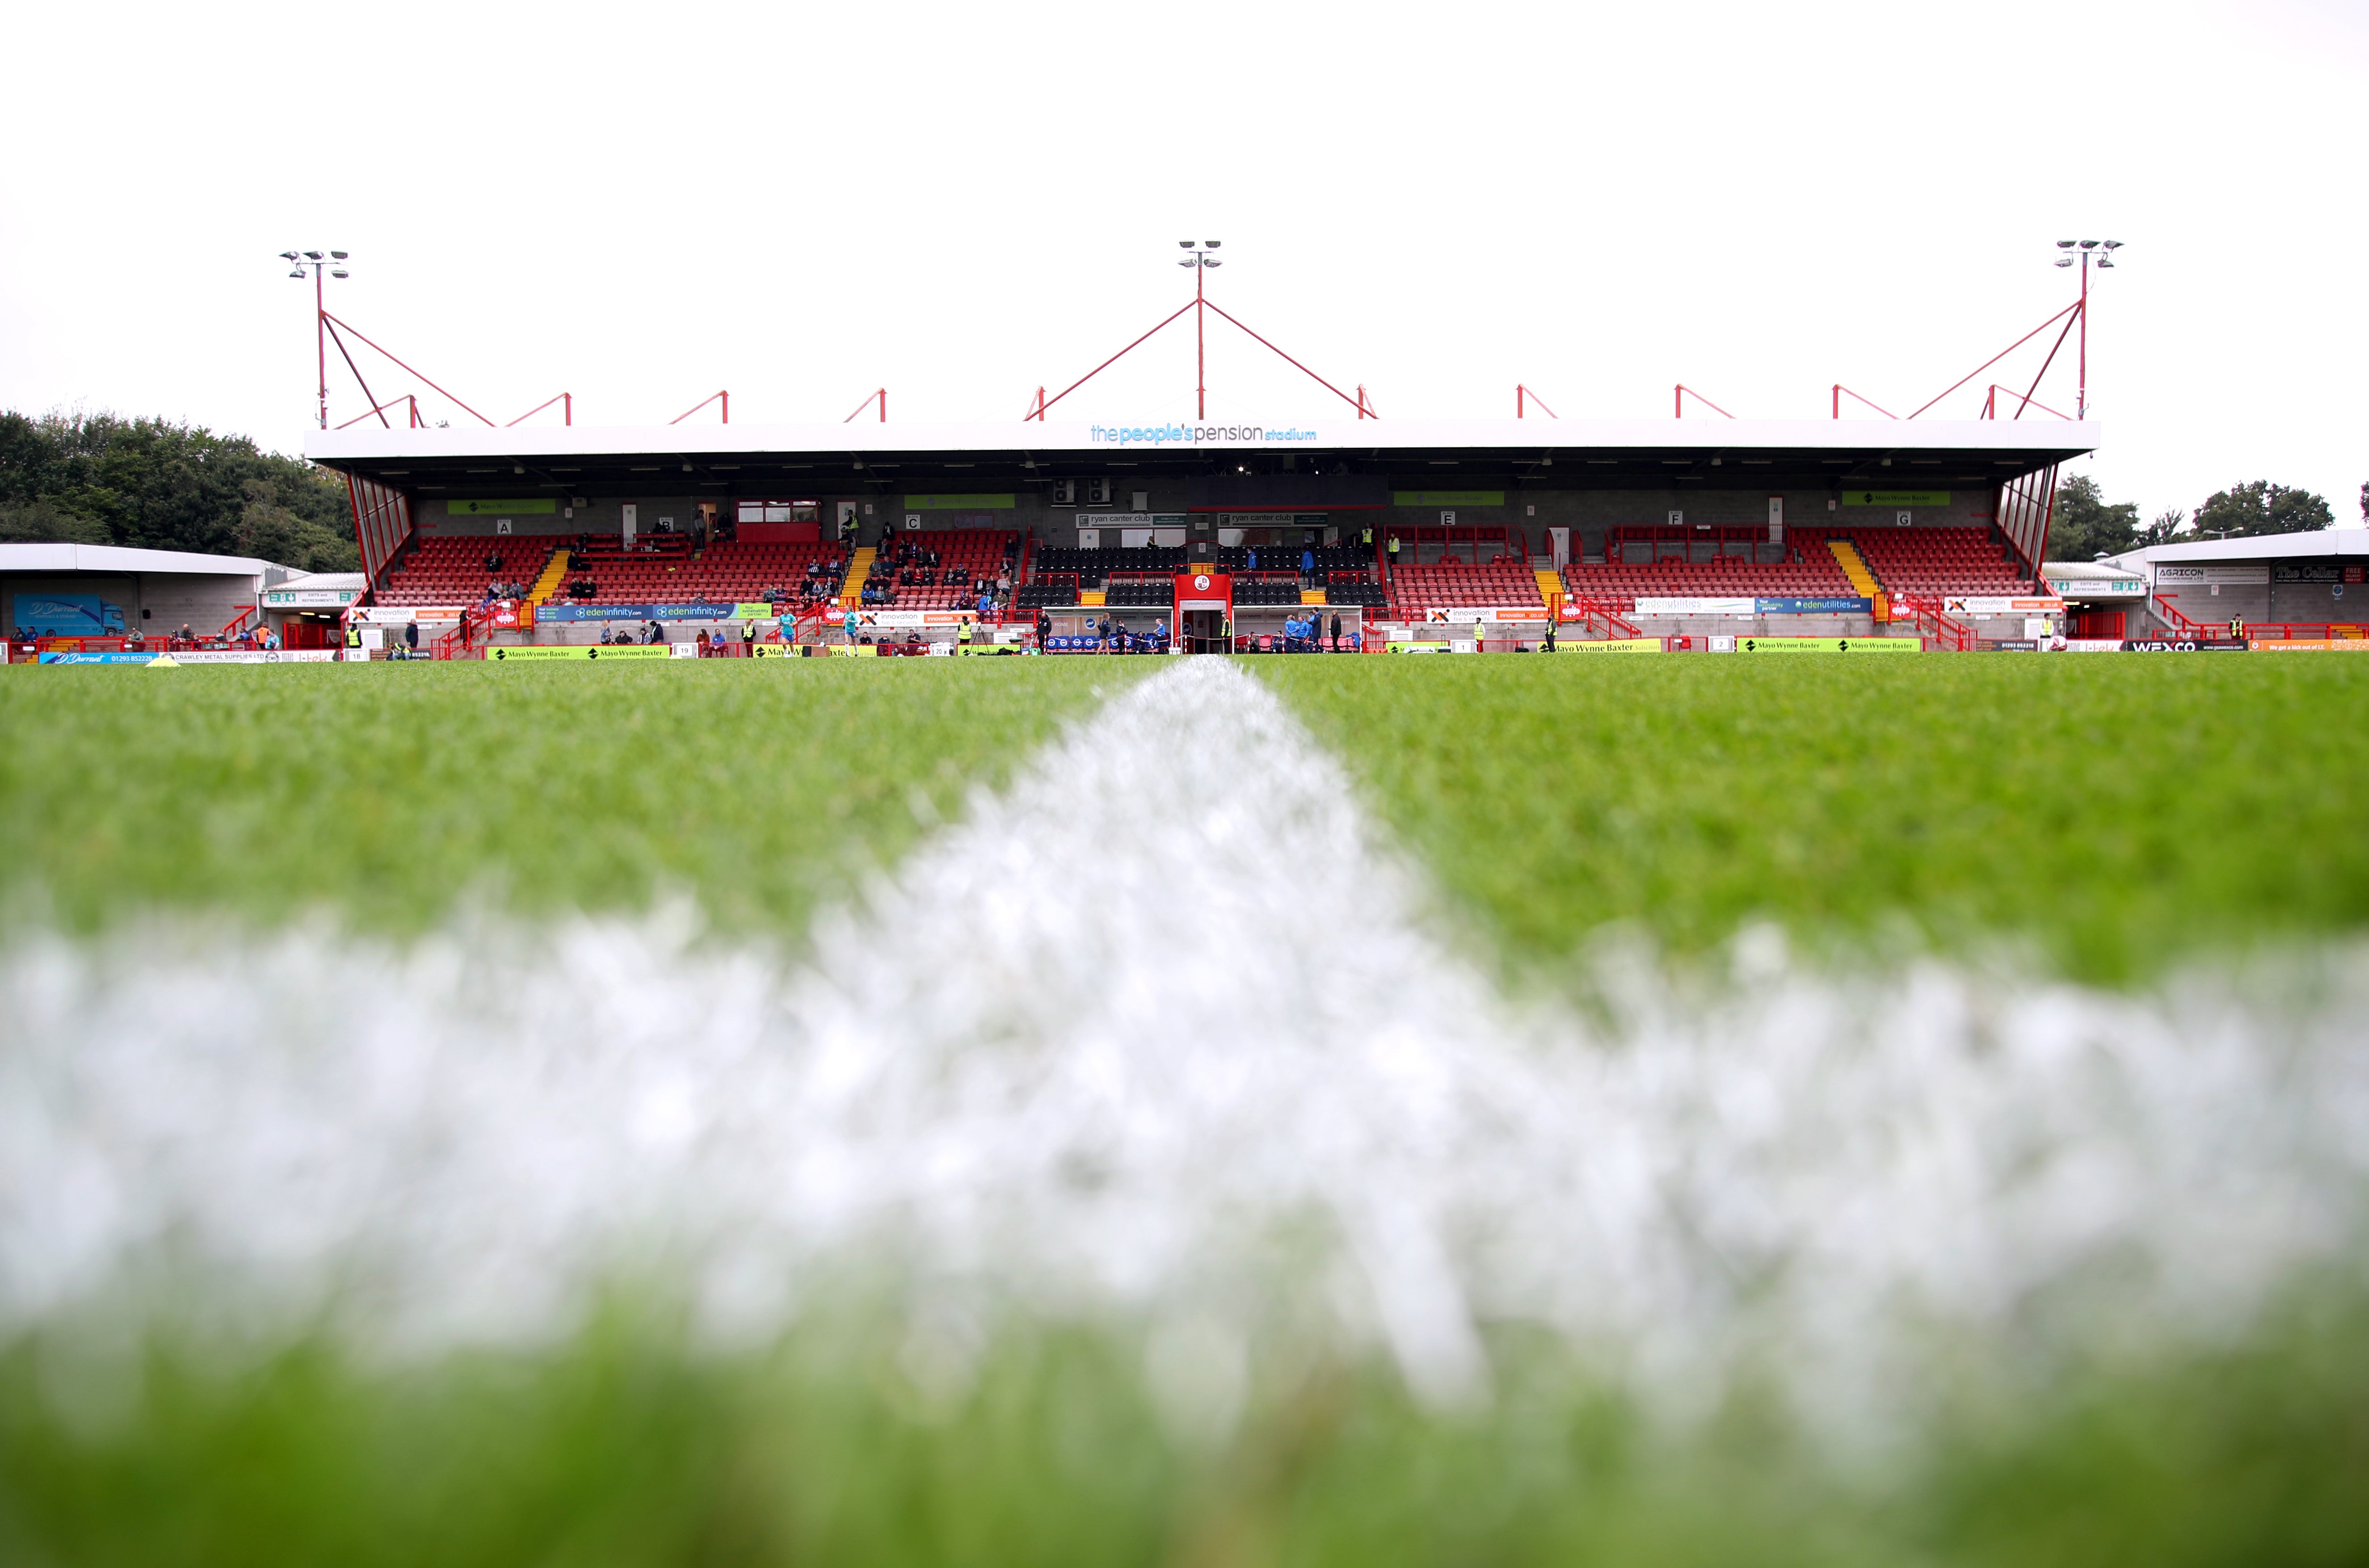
[1933,623]
[2307,631]
[1595,613]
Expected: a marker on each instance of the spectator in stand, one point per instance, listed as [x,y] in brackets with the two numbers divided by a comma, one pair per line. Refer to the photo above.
[136,641]
[1249,559]
[986,606]
[1308,567]
[656,633]
[187,635]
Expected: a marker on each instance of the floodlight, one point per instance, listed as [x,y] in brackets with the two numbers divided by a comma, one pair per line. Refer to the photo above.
[2089,245]
[1208,244]
[312,256]
[2113,245]
[2065,244]
[295,273]
[2064,261]
[337,256]
[287,256]
[1211,261]
[1183,244]
[1185,263]
[2105,261]
[341,272]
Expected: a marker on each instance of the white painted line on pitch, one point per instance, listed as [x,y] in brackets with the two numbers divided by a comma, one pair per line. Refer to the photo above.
[1160,1029]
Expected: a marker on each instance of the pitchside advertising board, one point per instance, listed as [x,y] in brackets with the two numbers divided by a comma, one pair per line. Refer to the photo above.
[585,654]
[1749,608]
[234,656]
[1829,645]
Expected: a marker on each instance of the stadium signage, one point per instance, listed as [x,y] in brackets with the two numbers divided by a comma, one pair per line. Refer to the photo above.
[1004,501]
[1975,605]
[591,611]
[1746,607]
[1843,606]
[1895,498]
[2254,575]
[307,597]
[2184,645]
[1466,615]
[1447,498]
[401,614]
[591,651]
[903,620]
[1612,645]
[1829,645]
[1196,435]
[231,656]
[2098,588]
[2320,571]
[264,656]
[488,508]
[2311,644]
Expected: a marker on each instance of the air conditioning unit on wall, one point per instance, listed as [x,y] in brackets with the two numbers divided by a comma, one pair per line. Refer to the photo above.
[1065,493]
[1098,492]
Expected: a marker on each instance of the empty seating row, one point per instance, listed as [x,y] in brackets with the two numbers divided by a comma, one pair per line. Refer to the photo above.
[722,574]
[1436,587]
[458,571]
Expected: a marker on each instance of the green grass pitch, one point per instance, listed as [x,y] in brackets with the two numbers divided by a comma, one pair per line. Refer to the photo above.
[2110,818]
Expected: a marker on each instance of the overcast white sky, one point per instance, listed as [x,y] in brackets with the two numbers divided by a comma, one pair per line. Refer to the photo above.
[641,204]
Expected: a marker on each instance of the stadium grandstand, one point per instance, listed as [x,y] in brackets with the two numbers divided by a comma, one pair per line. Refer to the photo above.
[1674,528]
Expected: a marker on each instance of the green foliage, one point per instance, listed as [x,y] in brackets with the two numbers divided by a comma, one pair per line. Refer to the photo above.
[392,790]
[621,1446]
[2258,508]
[2084,525]
[2116,812]
[97,479]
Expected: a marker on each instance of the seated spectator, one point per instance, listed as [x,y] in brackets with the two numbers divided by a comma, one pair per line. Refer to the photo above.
[700,642]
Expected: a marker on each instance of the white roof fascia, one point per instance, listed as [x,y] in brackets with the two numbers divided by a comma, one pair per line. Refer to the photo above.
[119,558]
[1708,436]
[2318,542]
